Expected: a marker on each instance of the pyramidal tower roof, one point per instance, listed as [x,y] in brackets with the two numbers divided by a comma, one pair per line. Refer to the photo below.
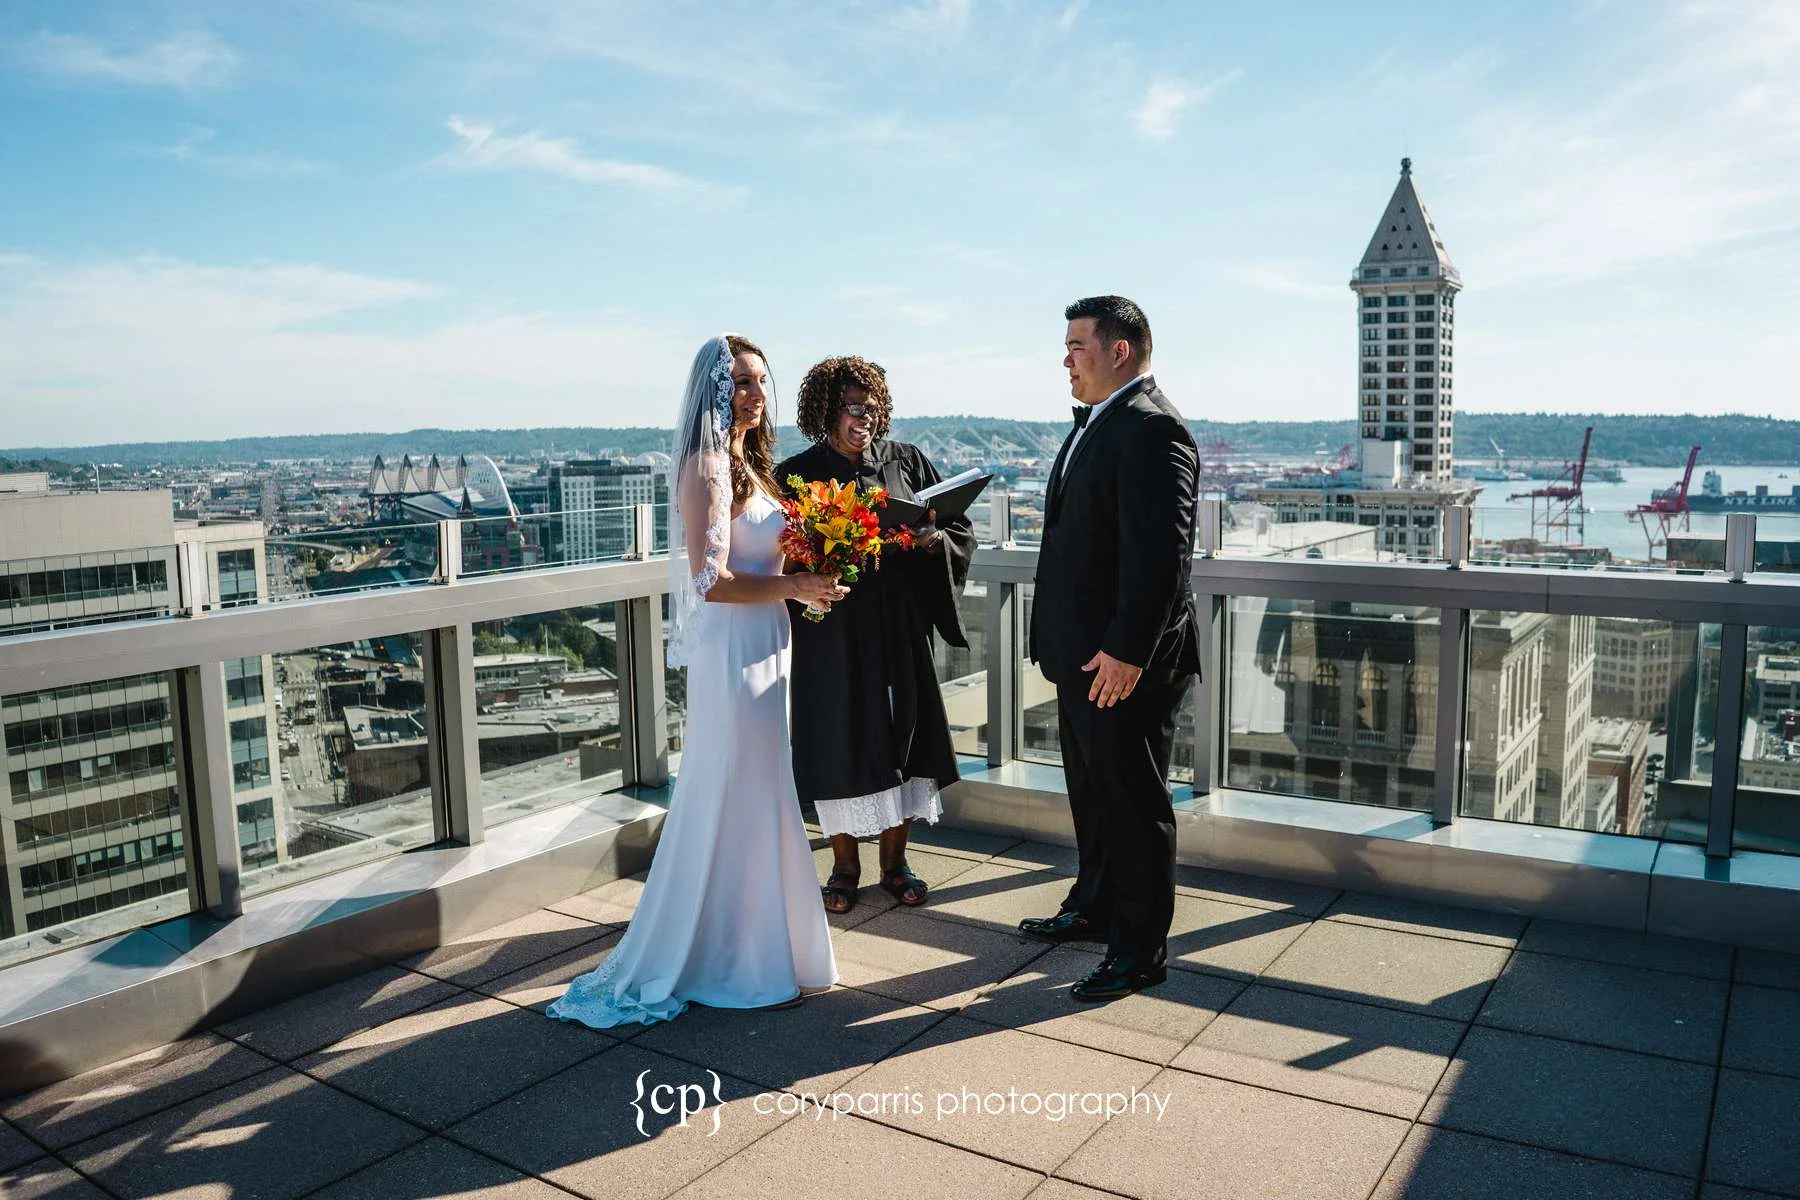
[1407,236]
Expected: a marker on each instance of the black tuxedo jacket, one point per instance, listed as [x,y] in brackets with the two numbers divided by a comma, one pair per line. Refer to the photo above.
[1113,570]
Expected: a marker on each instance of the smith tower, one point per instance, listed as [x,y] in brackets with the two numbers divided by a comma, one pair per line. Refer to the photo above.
[1406,288]
[1406,321]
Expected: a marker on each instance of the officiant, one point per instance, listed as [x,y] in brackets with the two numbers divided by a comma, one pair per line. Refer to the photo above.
[871,742]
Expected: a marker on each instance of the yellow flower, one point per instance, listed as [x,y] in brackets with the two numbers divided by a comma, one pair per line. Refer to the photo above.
[837,532]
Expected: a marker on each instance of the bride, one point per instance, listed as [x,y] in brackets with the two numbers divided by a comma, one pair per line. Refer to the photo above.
[730,914]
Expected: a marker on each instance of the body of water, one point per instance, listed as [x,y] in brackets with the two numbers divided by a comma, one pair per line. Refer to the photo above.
[1608,522]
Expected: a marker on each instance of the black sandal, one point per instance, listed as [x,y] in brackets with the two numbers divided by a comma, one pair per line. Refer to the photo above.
[899,882]
[836,891]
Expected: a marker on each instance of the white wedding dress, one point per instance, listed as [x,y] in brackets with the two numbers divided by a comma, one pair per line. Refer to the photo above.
[730,916]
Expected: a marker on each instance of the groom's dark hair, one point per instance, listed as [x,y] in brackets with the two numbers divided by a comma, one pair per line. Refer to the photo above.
[1116,319]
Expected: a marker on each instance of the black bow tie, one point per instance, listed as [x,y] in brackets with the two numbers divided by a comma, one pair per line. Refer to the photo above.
[1082,413]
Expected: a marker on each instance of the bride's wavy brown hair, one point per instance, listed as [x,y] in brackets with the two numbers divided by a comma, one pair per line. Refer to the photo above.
[757,465]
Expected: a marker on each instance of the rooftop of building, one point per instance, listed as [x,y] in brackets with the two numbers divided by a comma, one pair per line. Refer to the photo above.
[1416,489]
[1782,669]
[24,483]
[1618,735]
[1310,1043]
[517,659]
[1271,539]
[369,727]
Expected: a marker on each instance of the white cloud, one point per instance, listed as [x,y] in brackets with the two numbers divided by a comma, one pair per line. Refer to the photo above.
[187,60]
[888,300]
[1280,280]
[154,349]
[485,148]
[730,55]
[1166,100]
[925,315]
[980,380]
[193,148]
[934,18]
[1066,20]
[1688,144]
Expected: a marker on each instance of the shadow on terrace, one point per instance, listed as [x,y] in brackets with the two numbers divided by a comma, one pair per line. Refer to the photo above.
[1313,1043]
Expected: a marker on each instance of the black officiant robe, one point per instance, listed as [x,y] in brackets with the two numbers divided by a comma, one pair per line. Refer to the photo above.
[849,739]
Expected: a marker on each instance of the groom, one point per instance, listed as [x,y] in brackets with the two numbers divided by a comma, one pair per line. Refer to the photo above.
[1113,628]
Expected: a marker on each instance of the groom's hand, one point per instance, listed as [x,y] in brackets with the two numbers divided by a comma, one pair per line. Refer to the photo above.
[1113,680]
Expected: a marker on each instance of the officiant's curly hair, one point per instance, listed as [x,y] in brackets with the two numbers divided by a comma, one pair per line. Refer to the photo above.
[822,395]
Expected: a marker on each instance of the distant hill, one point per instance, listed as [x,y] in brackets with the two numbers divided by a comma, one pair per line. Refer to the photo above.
[1652,441]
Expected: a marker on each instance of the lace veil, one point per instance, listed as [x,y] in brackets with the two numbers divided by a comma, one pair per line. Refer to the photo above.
[700,508]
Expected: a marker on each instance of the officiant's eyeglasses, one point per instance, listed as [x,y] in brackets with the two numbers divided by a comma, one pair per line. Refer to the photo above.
[859,411]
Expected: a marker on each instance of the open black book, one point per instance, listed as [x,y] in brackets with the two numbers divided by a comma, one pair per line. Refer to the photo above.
[950,497]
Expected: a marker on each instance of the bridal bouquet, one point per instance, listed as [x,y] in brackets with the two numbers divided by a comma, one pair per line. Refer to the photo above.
[832,529]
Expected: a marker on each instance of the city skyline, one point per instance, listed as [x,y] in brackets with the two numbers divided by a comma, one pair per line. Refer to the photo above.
[385,215]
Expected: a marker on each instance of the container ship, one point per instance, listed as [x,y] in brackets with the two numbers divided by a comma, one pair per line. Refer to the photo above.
[1713,498]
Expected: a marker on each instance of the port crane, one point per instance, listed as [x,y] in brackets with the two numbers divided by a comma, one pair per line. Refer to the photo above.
[1499,456]
[1215,465]
[1666,510]
[1556,508]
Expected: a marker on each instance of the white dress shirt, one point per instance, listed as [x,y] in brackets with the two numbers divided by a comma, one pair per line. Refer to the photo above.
[1094,415]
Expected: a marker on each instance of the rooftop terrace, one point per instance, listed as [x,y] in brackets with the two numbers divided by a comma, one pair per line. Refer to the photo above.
[1419,953]
[1313,1043]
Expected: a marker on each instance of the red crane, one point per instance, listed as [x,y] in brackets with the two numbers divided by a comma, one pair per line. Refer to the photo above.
[1666,509]
[1215,467]
[1557,507]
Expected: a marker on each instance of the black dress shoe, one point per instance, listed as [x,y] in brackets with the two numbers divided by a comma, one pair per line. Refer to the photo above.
[1063,927]
[1119,976]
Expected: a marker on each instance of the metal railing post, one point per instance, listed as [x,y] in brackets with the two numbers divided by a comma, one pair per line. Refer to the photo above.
[1728,739]
[1005,669]
[1453,700]
[1000,519]
[643,691]
[1458,526]
[1740,545]
[643,531]
[449,551]
[194,581]
[1209,536]
[1210,695]
[1728,723]
[1006,647]
[453,759]
[203,765]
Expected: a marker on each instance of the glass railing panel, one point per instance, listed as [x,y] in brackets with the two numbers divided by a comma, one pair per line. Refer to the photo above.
[39,594]
[333,562]
[962,672]
[1253,530]
[1778,538]
[1768,804]
[1026,495]
[1630,519]
[1336,700]
[1040,736]
[352,780]
[496,545]
[547,703]
[1595,723]
[95,835]
[1181,758]
[675,697]
[1320,515]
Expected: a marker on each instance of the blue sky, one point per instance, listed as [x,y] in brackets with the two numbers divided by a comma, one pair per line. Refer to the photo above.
[221,219]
